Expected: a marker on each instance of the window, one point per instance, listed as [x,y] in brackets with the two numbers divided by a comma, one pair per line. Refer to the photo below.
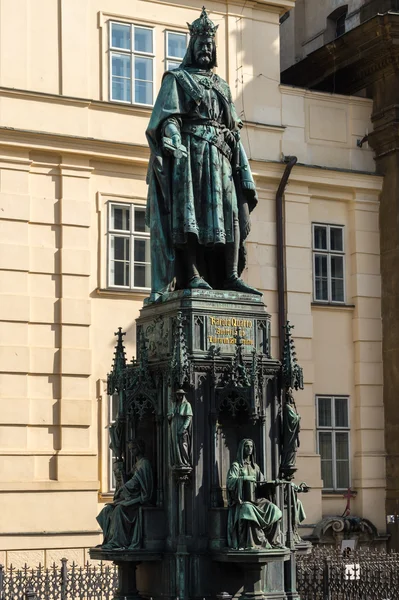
[340,25]
[333,441]
[128,247]
[113,402]
[176,45]
[328,263]
[131,63]
[336,23]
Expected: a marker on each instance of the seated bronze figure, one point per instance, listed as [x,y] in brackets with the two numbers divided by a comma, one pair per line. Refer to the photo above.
[253,522]
[121,520]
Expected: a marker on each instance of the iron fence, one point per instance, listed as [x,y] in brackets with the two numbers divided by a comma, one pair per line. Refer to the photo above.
[363,575]
[88,582]
[321,575]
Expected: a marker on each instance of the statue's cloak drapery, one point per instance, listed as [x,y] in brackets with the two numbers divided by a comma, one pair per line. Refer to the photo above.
[121,520]
[203,192]
[181,434]
[258,514]
[291,428]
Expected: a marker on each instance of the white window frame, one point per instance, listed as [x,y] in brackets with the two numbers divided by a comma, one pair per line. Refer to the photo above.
[167,56]
[132,53]
[131,235]
[333,429]
[329,254]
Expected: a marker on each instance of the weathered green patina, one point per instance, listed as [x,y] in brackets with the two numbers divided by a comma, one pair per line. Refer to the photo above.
[253,521]
[291,429]
[121,520]
[298,512]
[201,190]
[292,378]
[203,377]
[180,419]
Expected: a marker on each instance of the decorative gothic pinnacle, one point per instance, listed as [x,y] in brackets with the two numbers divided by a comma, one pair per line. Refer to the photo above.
[292,371]
[180,361]
[115,378]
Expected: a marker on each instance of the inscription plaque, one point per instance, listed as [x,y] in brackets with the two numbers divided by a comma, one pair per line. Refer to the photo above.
[222,331]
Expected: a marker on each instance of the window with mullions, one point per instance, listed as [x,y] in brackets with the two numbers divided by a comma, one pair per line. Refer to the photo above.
[128,247]
[328,263]
[131,63]
[176,45]
[333,441]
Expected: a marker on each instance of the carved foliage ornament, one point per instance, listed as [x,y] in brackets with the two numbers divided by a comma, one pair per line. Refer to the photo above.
[134,381]
[180,364]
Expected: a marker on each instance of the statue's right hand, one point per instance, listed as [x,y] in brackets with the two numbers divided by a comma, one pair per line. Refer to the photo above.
[170,144]
[176,140]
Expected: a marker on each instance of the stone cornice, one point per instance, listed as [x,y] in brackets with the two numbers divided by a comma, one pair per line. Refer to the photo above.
[75,101]
[274,6]
[385,139]
[138,155]
[353,61]
[288,90]
[315,177]
[109,150]
[48,486]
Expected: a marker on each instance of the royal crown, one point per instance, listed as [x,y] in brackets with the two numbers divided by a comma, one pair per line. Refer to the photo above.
[203,25]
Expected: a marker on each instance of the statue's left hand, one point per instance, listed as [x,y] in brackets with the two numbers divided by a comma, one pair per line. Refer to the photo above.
[120,493]
[229,136]
[275,482]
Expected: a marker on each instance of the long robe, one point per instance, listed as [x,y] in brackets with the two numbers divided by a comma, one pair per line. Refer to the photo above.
[181,434]
[252,521]
[291,428]
[202,193]
[121,520]
[298,512]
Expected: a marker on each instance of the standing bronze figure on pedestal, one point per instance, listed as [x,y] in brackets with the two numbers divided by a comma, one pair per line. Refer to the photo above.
[201,190]
[205,330]
[180,420]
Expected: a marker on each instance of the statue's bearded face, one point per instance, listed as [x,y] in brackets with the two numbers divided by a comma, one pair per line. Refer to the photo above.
[204,48]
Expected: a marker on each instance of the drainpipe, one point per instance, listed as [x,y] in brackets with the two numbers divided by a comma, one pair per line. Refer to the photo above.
[290,163]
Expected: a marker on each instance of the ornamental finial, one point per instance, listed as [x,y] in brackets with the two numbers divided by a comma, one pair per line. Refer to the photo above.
[203,25]
[292,372]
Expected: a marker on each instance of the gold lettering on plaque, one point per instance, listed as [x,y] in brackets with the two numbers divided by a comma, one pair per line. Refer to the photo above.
[224,330]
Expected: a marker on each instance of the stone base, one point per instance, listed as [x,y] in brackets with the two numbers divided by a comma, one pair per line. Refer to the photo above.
[252,556]
[262,571]
[303,547]
[126,561]
[211,319]
[124,555]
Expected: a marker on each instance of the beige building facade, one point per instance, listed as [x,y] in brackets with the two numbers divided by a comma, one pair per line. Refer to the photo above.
[75,99]
[314,23]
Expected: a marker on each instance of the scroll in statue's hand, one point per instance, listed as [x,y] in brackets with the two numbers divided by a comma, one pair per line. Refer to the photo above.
[174,147]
